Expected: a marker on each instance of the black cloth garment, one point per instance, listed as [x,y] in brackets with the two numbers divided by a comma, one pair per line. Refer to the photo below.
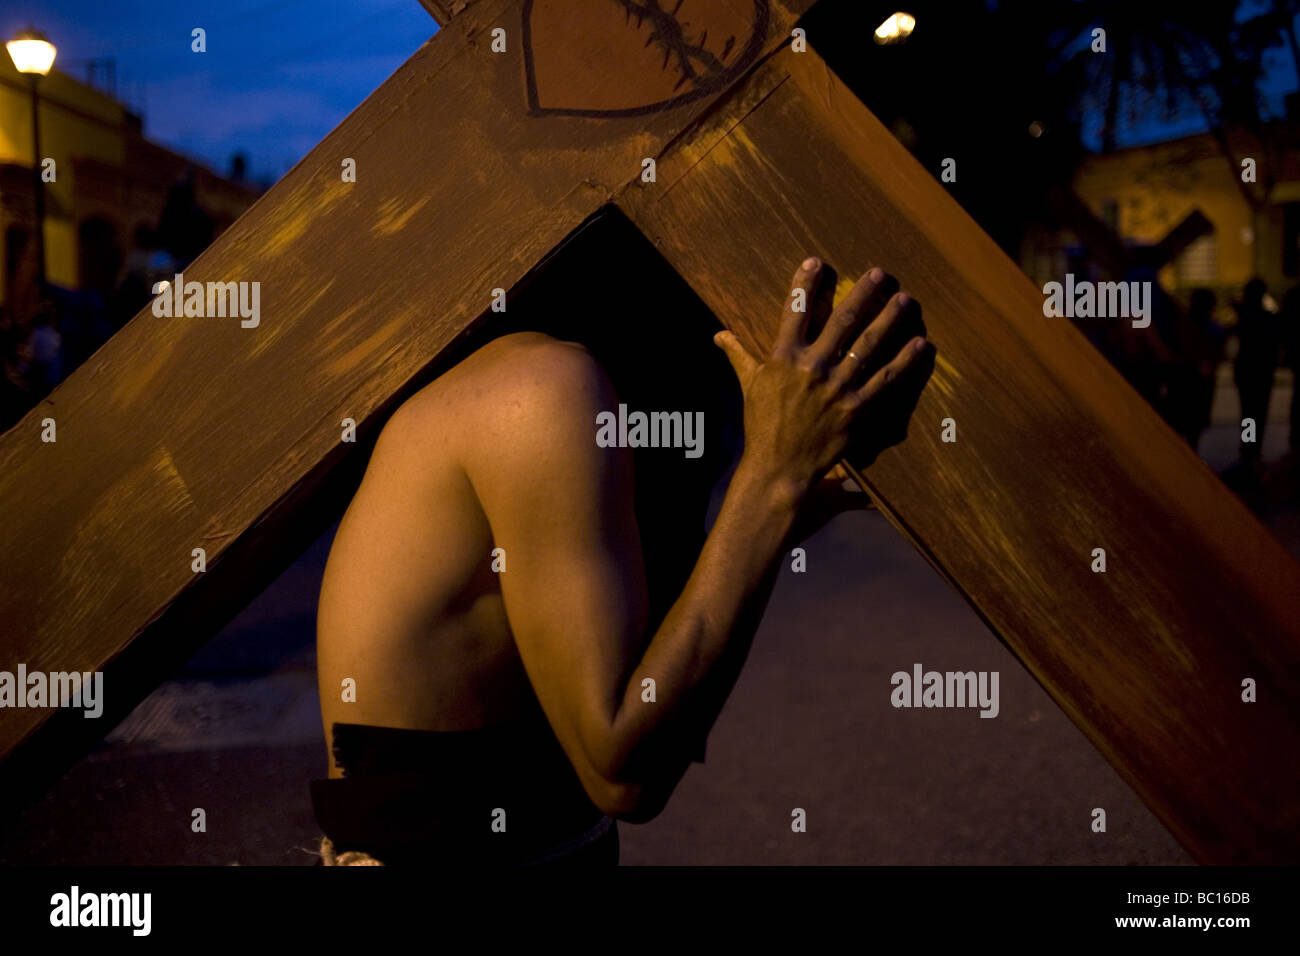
[415,797]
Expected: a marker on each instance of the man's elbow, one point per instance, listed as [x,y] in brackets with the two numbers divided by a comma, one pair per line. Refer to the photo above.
[631,802]
[637,801]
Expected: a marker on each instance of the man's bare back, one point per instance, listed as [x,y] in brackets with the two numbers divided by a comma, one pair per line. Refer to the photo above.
[410,606]
[498,460]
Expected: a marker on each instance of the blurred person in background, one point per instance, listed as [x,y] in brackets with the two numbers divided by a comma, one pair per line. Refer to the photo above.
[1258,333]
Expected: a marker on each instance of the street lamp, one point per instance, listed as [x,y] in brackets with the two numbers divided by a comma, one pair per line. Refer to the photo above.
[896,28]
[33,54]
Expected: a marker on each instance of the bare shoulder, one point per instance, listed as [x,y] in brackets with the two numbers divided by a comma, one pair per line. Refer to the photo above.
[530,367]
[514,398]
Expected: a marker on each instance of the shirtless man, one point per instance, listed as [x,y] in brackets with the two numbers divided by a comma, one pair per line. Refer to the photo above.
[506,715]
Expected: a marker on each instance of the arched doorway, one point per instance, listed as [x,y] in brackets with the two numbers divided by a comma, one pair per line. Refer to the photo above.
[99,255]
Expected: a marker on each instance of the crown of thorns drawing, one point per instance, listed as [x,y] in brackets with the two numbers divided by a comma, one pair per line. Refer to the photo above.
[669,34]
[685,47]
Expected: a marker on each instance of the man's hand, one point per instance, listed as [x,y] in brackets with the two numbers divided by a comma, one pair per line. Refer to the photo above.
[851,390]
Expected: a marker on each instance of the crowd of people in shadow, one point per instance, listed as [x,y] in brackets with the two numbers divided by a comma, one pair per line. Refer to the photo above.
[1175,363]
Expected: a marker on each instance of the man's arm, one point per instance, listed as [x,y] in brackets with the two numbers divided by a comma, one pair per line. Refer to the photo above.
[574,588]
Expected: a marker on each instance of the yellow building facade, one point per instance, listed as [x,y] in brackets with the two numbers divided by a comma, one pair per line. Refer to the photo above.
[107,179]
[1144,192]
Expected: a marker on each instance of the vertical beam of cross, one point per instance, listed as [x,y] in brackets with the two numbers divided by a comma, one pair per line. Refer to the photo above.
[1052,455]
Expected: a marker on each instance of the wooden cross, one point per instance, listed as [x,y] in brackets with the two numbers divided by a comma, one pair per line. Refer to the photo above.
[472,166]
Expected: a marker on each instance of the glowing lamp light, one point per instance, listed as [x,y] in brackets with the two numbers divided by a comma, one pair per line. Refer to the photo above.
[897,28]
[31,52]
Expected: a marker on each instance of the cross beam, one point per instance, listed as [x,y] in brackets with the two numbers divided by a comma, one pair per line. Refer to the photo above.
[1055,455]
[472,166]
[443,10]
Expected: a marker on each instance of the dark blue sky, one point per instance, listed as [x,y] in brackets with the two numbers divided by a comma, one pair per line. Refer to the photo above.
[277,75]
[280,74]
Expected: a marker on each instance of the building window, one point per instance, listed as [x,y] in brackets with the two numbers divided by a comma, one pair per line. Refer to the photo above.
[1291,239]
[1199,262]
